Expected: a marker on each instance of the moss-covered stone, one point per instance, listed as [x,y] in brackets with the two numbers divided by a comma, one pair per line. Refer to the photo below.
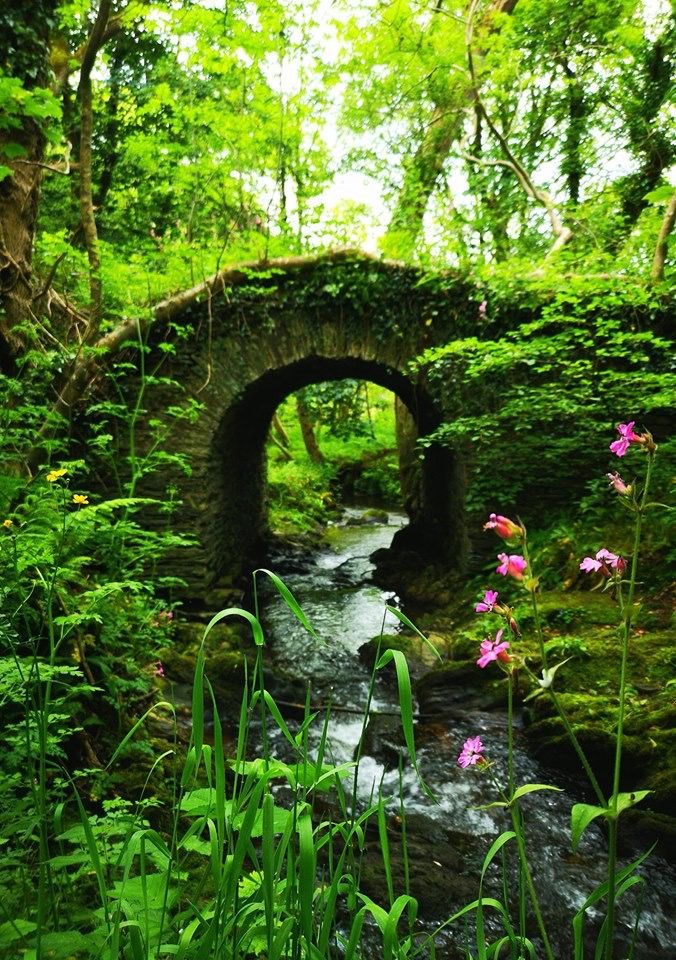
[582,626]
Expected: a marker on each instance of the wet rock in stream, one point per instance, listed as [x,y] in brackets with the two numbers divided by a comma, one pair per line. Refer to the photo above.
[443,865]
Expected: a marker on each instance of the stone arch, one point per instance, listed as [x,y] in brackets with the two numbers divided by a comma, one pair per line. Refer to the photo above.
[235,520]
[251,347]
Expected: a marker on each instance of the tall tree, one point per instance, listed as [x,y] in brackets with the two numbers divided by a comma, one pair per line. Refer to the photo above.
[26,106]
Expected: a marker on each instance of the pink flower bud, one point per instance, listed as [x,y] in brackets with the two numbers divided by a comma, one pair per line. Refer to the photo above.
[616,481]
[503,526]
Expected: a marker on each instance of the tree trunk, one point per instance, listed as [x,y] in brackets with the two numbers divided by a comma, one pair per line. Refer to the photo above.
[307,429]
[24,29]
[573,165]
[279,429]
[19,195]
[657,272]
[94,43]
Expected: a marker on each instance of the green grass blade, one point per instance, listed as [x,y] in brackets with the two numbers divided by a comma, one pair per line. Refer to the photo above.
[408,623]
[268,846]
[306,874]
[289,600]
[406,707]
[385,849]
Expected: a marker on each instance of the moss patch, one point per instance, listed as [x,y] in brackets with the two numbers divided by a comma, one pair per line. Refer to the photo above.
[582,626]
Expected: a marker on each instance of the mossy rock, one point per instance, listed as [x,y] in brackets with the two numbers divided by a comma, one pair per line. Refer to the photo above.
[225,658]
[419,654]
[460,685]
[372,516]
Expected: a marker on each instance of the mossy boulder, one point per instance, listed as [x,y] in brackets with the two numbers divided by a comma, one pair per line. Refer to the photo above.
[420,656]
[372,516]
[226,651]
[457,686]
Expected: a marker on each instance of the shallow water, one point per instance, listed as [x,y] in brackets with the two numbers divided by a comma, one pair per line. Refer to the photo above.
[449,837]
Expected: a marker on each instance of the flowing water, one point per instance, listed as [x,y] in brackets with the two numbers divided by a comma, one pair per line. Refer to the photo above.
[447,839]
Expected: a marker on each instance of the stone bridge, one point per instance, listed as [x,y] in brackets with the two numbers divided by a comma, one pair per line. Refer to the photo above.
[254,334]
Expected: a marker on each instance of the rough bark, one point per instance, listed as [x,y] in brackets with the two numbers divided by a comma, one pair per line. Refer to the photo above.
[19,196]
[444,128]
[657,271]
[24,29]
[573,164]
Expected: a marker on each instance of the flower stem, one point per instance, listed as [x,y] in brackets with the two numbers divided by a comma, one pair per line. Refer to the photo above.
[627,616]
[517,823]
[510,794]
[534,602]
[577,747]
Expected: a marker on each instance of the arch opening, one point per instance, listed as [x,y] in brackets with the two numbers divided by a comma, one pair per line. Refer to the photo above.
[236,525]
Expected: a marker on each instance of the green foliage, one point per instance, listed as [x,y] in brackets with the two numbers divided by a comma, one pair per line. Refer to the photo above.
[550,390]
[354,427]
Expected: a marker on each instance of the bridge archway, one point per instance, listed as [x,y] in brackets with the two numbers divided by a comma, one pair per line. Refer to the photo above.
[237,461]
[252,347]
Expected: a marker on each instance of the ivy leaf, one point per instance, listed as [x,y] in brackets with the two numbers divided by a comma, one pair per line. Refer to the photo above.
[14,150]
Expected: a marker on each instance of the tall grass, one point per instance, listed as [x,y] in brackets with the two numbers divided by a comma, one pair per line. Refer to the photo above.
[259,856]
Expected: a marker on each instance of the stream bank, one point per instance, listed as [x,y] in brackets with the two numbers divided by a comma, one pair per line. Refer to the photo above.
[336,589]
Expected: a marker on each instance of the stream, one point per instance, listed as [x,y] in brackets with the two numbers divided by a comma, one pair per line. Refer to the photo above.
[447,840]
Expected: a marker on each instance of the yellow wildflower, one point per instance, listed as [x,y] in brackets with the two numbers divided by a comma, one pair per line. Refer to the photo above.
[54,475]
[7,524]
[79,498]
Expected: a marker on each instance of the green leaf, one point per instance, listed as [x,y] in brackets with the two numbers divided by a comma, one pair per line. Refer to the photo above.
[533,788]
[626,800]
[14,150]
[15,930]
[581,816]
[660,194]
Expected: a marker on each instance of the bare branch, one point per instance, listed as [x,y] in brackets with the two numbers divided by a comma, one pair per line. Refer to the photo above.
[562,233]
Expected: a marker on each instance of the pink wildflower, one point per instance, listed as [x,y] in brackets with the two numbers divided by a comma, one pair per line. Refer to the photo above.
[604,562]
[514,565]
[616,481]
[471,752]
[627,436]
[159,669]
[482,308]
[488,602]
[503,526]
[493,650]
